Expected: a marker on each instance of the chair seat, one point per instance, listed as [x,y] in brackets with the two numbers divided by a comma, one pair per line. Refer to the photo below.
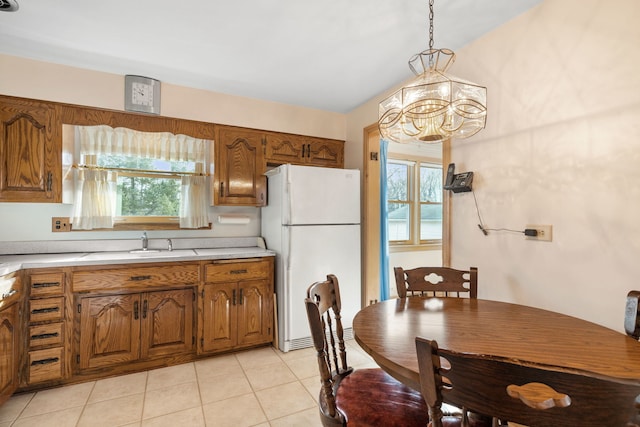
[371,397]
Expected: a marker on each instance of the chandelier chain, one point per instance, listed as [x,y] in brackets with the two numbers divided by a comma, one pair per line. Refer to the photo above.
[431,32]
[430,24]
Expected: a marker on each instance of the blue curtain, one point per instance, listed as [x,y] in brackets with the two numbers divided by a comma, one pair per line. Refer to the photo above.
[384,224]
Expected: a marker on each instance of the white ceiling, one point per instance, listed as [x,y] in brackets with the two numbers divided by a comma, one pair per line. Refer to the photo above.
[331,54]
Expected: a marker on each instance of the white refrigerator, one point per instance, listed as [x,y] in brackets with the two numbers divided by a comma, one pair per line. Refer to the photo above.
[312,222]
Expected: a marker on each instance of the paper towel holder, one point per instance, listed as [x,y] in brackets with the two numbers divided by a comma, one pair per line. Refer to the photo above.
[233,219]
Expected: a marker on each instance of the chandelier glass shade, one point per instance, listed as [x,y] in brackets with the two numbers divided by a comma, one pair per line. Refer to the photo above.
[435,105]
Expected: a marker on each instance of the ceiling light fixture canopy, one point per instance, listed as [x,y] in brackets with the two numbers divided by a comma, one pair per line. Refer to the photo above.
[434,106]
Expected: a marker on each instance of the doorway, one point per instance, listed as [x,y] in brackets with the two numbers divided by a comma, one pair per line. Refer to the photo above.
[371,215]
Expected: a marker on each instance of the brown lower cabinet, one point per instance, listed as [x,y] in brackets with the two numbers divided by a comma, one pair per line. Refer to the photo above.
[88,322]
[116,329]
[9,346]
[237,304]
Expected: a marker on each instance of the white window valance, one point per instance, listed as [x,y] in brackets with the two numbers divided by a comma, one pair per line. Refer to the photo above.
[128,142]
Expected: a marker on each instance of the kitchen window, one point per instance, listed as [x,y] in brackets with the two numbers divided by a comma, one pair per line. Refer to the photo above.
[414,201]
[127,177]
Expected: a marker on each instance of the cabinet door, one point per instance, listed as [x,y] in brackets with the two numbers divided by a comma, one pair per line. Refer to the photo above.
[325,152]
[239,168]
[219,329]
[255,312]
[109,330]
[283,148]
[8,351]
[30,152]
[167,322]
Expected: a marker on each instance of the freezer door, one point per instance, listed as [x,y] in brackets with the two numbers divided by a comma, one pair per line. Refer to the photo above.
[314,252]
[322,196]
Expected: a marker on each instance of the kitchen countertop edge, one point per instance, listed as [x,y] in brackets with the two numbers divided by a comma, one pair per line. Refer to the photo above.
[12,263]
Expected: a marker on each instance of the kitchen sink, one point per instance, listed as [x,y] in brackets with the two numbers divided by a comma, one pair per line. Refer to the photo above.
[138,253]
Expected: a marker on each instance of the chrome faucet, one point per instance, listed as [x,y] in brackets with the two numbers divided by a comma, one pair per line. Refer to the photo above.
[145,241]
[169,245]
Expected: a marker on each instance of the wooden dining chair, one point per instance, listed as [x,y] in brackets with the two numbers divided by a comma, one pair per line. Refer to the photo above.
[533,395]
[437,281]
[362,397]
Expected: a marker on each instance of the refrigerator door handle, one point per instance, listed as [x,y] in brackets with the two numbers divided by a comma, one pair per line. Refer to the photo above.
[289,200]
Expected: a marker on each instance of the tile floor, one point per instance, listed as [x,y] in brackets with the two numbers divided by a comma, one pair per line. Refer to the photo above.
[262,387]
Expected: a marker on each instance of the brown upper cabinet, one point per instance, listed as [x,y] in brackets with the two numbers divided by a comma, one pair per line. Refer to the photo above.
[303,150]
[242,156]
[30,151]
[239,167]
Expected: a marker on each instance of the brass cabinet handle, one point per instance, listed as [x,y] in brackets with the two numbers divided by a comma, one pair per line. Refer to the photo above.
[139,278]
[243,271]
[45,310]
[135,310]
[45,361]
[44,336]
[45,285]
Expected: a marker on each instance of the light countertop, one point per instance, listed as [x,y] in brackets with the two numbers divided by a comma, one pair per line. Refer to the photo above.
[117,253]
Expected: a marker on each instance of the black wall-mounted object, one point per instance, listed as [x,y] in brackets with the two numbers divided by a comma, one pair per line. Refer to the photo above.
[632,314]
[457,182]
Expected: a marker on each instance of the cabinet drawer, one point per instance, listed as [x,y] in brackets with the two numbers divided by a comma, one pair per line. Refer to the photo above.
[46,310]
[45,365]
[138,278]
[45,335]
[47,284]
[236,271]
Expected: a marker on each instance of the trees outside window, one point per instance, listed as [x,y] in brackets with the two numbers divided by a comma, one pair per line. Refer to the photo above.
[414,198]
[143,194]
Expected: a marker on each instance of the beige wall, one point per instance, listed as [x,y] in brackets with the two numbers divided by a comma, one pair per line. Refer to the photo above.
[41,80]
[561,147]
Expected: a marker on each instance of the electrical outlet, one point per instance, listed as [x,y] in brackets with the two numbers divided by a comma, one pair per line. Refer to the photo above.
[544,232]
[60,224]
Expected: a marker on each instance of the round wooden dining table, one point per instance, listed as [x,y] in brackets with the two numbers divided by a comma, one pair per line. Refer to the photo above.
[387,331]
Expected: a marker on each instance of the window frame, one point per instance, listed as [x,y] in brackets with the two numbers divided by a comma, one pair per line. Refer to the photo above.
[413,200]
[71,148]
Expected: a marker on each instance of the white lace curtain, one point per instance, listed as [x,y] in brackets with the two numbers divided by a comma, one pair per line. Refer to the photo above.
[194,210]
[94,205]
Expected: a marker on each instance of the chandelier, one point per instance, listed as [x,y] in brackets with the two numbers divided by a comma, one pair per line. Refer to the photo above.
[435,105]
[8,5]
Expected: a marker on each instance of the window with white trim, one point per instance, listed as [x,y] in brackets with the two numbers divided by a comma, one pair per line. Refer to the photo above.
[414,201]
